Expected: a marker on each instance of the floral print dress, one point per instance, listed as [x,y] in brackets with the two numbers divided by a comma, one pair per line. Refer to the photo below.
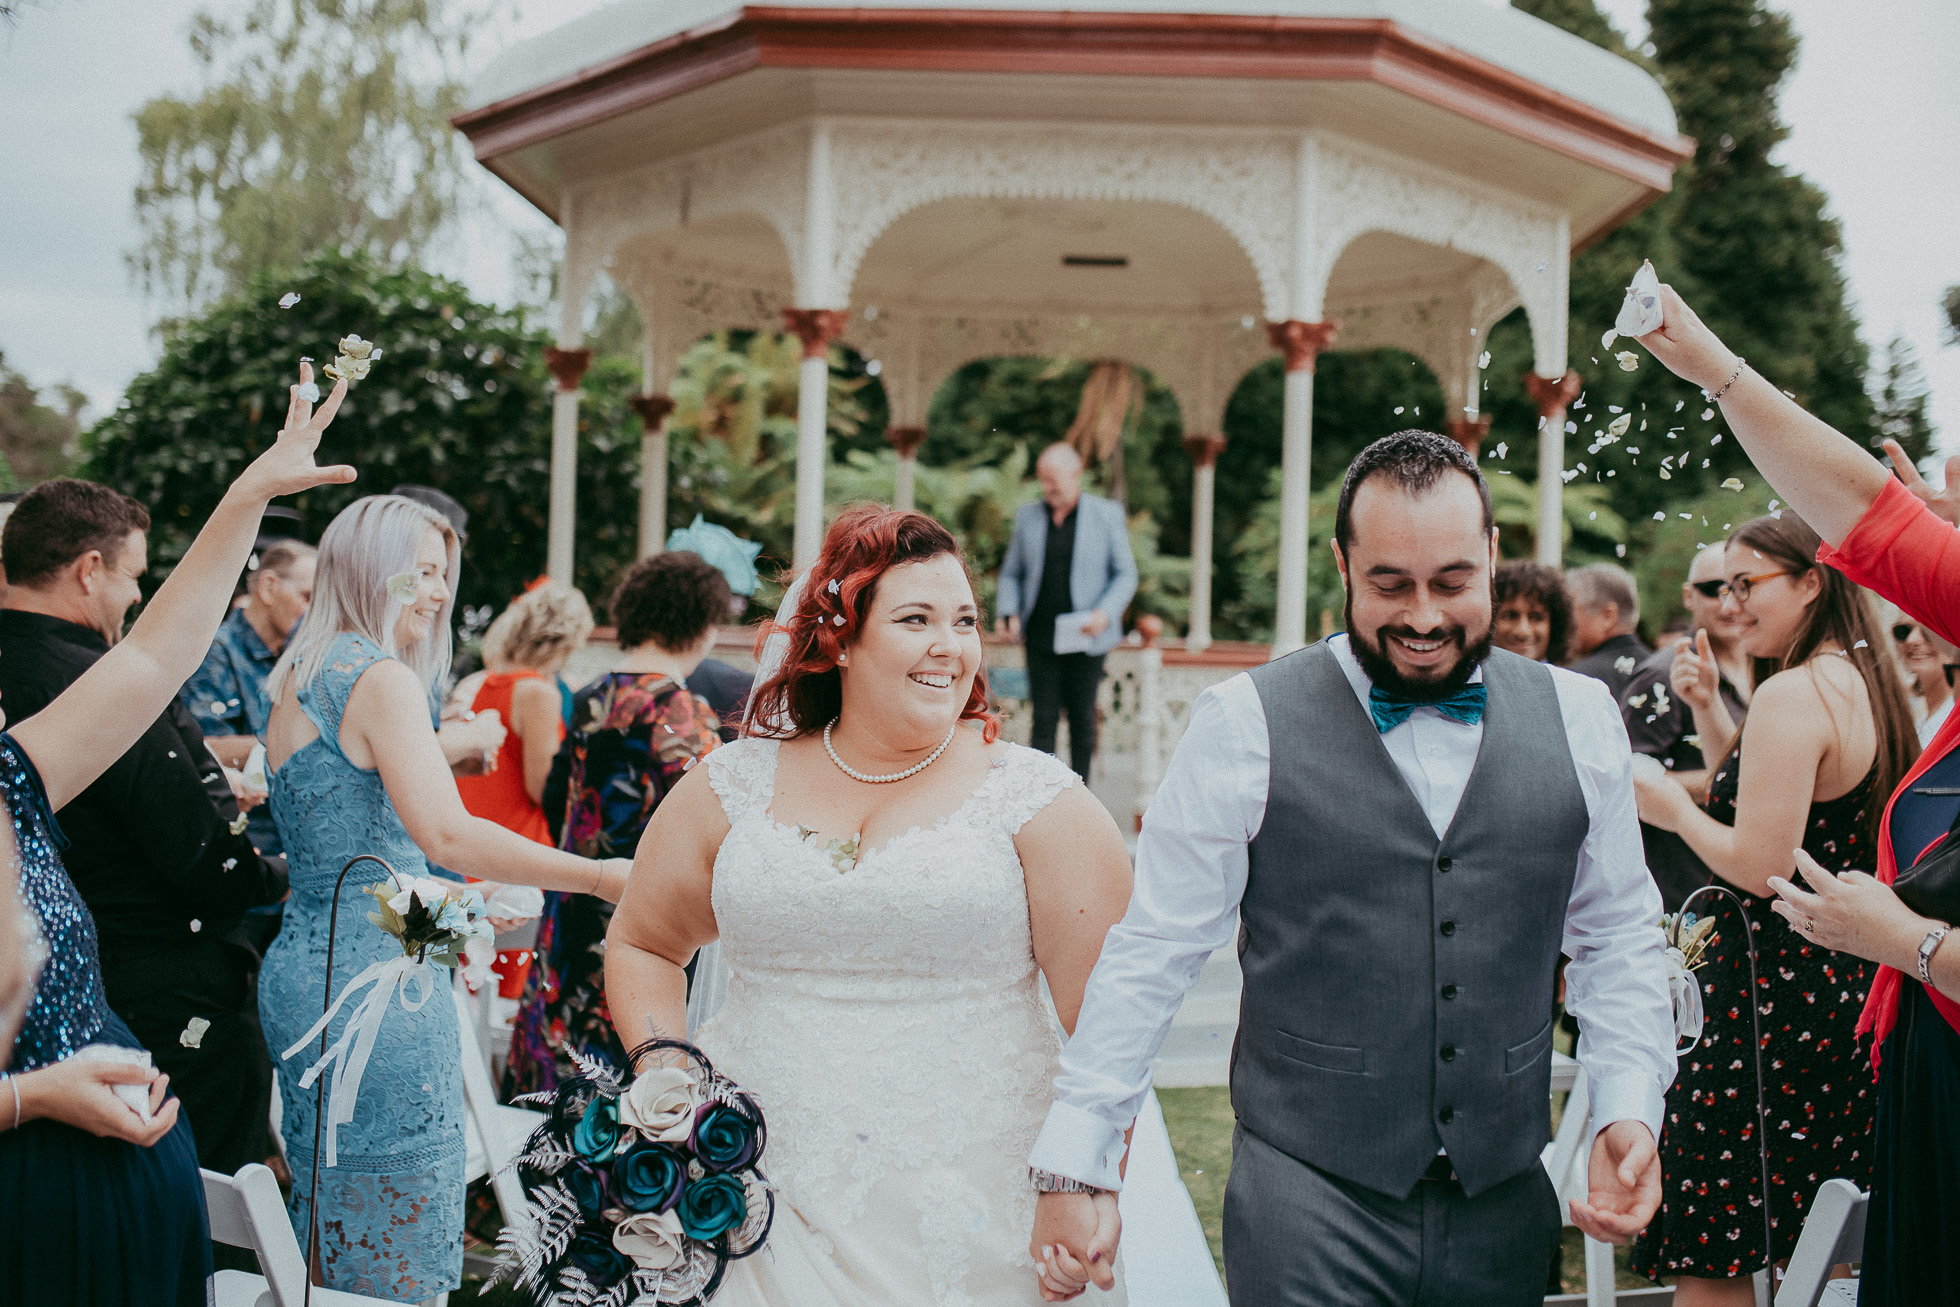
[633,736]
[1816,1083]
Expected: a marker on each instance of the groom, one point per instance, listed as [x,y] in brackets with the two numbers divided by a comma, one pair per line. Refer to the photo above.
[1406,828]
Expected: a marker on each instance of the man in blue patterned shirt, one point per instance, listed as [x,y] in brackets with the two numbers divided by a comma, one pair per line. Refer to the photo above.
[228,695]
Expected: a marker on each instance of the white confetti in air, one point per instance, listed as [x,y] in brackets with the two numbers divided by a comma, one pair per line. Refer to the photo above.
[1628,360]
[1707,413]
[1502,449]
[1623,665]
[1568,475]
[1620,424]
[286,301]
[1620,551]
[1614,408]
[1860,645]
[1716,440]
[310,392]
[1483,359]
[1607,341]
[1686,517]
[1640,312]
[1398,410]
[1733,483]
[1665,476]
[193,1036]
[1582,467]
[196,925]
[1543,264]
[1680,404]
[1660,517]
[1593,516]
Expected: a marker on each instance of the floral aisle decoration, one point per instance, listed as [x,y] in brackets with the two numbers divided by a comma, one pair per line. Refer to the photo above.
[640,1191]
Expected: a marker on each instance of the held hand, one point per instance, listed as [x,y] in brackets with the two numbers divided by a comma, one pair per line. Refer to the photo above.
[1008,625]
[1074,1243]
[1694,676]
[1686,347]
[1944,502]
[1623,1184]
[82,1094]
[1853,913]
[288,467]
[1097,623]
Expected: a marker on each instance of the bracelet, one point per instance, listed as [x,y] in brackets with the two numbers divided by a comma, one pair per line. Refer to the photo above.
[1740,364]
[599,880]
[1047,1182]
[1927,947]
[14,1081]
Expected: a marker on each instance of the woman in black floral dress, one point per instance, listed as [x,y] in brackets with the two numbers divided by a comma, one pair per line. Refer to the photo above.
[1829,735]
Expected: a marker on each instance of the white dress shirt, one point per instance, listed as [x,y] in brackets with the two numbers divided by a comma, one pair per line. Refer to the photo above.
[1191,876]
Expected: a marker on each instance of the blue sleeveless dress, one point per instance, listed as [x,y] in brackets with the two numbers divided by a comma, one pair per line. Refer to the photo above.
[84,1220]
[391,1211]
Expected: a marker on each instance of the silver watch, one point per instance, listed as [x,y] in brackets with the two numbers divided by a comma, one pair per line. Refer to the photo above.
[1047,1182]
[1927,947]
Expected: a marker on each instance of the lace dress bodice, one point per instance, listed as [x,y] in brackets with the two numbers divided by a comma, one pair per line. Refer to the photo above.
[889,1018]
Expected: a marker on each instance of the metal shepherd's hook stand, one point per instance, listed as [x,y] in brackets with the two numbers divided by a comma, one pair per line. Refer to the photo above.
[320,1085]
[1756,1047]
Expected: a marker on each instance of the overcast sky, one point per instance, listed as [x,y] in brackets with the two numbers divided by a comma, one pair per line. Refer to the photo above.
[1874,107]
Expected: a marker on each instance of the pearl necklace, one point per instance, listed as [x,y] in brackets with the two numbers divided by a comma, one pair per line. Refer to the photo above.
[869,779]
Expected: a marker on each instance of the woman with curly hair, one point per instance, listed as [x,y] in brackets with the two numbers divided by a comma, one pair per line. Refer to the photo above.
[1532,611]
[635,731]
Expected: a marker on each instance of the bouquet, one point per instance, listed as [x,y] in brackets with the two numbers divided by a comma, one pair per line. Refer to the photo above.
[1687,939]
[435,920]
[640,1192]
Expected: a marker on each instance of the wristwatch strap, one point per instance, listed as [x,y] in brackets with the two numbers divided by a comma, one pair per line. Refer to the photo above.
[1047,1182]
[1927,947]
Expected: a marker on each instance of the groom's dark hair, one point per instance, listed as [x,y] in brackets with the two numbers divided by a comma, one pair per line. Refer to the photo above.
[1415,461]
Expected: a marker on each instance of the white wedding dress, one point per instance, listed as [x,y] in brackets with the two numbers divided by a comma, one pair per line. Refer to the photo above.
[888,1017]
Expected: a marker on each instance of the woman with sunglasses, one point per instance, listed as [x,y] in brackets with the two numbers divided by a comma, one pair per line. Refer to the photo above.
[1929,664]
[1898,538]
[1829,733]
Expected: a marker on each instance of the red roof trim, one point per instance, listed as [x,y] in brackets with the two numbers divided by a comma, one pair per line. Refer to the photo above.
[1076,43]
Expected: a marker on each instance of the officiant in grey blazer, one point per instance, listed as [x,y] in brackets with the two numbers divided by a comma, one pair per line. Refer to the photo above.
[1070,555]
[1404,828]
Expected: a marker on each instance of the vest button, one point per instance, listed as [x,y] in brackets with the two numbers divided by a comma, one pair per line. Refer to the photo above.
[1449,1052]
[1449,991]
[1443,864]
[1448,928]
[1447,1115]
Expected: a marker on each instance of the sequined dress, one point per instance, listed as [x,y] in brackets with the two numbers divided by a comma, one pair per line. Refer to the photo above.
[886,1011]
[391,1210]
[1816,1082]
[84,1220]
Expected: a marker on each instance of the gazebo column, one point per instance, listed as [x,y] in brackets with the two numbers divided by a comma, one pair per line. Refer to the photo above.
[1553,397]
[906,441]
[1301,343]
[653,411]
[1204,452]
[1468,432]
[568,369]
[816,328]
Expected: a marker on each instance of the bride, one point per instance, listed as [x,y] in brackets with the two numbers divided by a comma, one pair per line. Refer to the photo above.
[884,884]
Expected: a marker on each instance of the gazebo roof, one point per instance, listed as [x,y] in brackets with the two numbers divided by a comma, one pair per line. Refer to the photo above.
[1496,34]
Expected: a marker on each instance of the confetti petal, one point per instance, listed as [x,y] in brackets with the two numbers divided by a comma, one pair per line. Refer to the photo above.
[310,392]
[1620,424]
[1628,360]
[1733,483]
[1661,517]
[193,1036]
[1640,312]
[1483,359]
[286,301]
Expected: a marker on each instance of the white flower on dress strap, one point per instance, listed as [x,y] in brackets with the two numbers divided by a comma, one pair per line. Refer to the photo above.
[403,585]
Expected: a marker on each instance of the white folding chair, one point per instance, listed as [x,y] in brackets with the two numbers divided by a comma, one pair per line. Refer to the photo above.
[1833,1233]
[494,1132]
[246,1211]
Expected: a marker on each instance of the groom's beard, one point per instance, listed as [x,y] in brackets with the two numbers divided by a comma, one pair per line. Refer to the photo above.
[1375,660]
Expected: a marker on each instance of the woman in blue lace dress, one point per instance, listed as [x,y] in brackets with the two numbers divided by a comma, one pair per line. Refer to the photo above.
[356,768]
[97,1206]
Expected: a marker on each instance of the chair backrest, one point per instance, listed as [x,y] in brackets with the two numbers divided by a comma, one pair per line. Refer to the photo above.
[480,1100]
[247,1212]
[1833,1233]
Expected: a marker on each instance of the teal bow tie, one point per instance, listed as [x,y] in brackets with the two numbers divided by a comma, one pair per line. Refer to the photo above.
[1391,710]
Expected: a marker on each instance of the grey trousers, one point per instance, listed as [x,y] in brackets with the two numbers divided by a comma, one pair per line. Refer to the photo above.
[1299,1237]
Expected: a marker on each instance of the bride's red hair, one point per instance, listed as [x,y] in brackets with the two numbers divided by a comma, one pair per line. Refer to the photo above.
[864,543]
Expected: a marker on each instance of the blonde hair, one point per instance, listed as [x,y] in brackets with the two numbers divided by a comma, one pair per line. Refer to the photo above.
[539,627]
[371,540]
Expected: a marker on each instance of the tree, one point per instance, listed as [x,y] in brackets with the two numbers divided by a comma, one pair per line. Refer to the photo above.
[1951,304]
[459,400]
[1900,404]
[37,438]
[324,124]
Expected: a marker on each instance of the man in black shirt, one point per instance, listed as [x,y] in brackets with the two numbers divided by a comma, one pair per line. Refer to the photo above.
[1661,726]
[1605,613]
[156,845]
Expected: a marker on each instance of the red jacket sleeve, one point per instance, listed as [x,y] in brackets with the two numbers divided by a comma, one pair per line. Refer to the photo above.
[1901,550]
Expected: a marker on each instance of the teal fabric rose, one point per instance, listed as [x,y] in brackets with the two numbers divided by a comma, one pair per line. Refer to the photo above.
[713,1205]
[649,1178]
[598,1131]
[724,1139]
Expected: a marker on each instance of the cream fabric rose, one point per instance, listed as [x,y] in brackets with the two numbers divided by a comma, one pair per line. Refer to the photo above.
[660,1105]
[653,1240]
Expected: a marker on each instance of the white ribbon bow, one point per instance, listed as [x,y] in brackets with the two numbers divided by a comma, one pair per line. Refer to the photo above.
[349,1054]
[1685,995]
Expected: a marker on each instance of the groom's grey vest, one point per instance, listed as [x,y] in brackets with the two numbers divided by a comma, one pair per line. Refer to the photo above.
[1398,988]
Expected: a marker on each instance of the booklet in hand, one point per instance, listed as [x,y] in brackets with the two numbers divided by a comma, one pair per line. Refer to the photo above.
[1072,632]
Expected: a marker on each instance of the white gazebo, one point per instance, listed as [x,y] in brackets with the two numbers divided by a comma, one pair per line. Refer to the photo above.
[1188,191]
